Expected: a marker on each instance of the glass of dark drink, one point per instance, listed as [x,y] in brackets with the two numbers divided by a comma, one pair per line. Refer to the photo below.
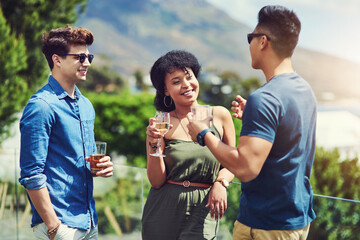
[94,158]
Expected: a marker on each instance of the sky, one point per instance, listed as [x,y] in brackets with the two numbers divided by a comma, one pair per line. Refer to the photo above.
[329,26]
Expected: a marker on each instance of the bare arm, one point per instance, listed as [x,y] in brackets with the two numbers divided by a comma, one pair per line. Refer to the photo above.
[247,159]
[42,203]
[228,136]
[218,196]
[156,170]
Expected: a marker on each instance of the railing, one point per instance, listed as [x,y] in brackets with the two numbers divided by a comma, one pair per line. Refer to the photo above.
[120,200]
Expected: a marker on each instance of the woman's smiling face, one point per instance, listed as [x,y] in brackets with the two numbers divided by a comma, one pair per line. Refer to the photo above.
[182,86]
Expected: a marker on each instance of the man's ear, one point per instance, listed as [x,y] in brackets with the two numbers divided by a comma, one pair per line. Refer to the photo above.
[264,41]
[56,59]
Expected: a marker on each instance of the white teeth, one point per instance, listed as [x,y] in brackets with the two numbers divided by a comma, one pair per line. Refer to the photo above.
[188,92]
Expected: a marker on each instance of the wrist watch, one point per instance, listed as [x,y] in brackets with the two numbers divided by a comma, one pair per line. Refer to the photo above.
[200,136]
[223,181]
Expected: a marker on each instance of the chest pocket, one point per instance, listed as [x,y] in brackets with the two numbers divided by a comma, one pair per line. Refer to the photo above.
[88,135]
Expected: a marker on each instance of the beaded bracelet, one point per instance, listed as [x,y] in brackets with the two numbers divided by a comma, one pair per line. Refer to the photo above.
[51,232]
[153,147]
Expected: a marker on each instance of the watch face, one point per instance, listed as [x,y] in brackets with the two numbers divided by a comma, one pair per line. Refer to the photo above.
[225,183]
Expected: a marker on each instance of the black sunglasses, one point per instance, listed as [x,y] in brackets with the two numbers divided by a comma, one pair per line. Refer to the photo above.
[250,36]
[82,57]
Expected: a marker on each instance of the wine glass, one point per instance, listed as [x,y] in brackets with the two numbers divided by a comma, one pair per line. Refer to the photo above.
[162,123]
[202,113]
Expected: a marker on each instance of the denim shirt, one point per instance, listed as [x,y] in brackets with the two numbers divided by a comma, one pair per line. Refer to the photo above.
[57,132]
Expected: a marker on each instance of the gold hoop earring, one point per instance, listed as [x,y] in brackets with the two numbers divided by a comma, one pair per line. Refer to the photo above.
[171,101]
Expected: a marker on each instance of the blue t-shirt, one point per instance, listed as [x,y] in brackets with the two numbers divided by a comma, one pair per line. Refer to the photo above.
[57,132]
[283,111]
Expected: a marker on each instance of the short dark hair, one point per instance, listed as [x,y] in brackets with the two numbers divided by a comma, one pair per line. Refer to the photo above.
[176,59]
[59,40]
[282,26]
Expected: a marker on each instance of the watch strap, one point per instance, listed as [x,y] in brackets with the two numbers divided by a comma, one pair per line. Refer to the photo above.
[200,136]
[221,180]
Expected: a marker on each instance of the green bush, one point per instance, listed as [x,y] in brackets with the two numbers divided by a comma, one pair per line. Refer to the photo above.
[121,121]
[332,176]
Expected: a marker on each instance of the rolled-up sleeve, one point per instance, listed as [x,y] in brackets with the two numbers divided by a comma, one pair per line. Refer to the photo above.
[35,127]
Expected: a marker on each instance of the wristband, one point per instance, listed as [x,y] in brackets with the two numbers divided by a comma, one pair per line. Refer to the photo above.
[200,136]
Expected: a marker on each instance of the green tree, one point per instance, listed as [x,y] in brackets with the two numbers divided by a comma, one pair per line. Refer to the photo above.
[121,121]
[139,77]
[249,85]
[332,176]
[224,90]
[31,18]
[28,19]
[102,79]
[239,85]
[12,85]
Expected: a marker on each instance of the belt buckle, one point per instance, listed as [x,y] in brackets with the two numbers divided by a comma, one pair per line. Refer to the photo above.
[186,183]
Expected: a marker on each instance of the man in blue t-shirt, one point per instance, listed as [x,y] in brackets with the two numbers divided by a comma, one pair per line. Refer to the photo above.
[277,141]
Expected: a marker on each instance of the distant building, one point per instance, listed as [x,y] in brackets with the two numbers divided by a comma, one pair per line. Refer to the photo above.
[339,129]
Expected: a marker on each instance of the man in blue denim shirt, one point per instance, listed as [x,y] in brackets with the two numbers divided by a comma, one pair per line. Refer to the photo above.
[57,136]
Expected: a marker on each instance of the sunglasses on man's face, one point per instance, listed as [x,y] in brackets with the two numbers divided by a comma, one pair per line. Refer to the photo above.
[250,36]
[82,57]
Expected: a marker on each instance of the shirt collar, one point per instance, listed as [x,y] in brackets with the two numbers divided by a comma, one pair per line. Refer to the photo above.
[59,91]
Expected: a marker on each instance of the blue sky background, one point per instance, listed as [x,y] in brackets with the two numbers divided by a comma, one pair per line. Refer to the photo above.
[329,26]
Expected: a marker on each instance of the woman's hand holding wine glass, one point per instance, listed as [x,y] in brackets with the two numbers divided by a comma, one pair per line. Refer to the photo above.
[160,125]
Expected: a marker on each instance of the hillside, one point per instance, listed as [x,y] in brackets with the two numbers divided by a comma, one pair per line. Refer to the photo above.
[132,34]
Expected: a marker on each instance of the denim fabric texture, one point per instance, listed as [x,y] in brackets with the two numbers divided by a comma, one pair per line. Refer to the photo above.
[57,132]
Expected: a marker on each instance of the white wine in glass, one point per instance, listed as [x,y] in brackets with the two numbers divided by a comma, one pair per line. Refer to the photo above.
[162,123]
[163,127]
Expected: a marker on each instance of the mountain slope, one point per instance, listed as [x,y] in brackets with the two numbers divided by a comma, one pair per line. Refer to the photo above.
[136,32]
[132,34]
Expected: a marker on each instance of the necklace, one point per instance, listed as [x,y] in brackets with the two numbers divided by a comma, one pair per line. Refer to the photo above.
[187,133]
